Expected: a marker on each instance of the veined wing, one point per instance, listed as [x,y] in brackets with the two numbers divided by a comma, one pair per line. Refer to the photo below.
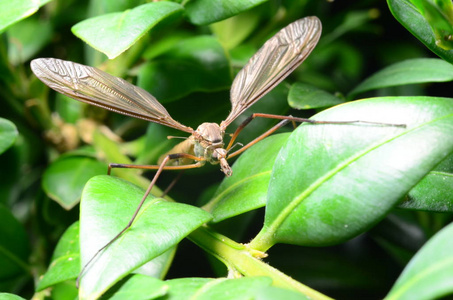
[93,86]
[276,59]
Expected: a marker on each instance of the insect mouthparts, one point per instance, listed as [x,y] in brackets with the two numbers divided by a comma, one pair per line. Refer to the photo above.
[225,167]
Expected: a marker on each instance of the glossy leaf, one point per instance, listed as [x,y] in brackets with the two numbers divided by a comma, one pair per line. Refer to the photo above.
[408,15]
[411,71]
[138,287]
[107,205]
[65,178]
[222,288]
[65,263]
[203,12]
[114,33]
[272,292]
[433,193]
[242,288]
[194,64]
[430,272]
[14,11]
[66,290]
[247,189]
[305,96]
[7,296]
[439,15]
[8,134]
[158,267]
[333,182]
[13,245]
[183,288]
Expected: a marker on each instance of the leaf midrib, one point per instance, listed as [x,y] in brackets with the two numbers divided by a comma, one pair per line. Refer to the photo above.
[286,212]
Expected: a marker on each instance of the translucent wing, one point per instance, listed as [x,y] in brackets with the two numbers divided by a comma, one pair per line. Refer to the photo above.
[93,86]
[276,59]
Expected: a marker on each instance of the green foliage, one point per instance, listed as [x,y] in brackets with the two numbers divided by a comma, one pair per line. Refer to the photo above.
[114,33]
[357,182]
[201,61]
[8,134]
[65,259]
[427,275]
[407,72]
[430,24]
[306,96]
[355,203]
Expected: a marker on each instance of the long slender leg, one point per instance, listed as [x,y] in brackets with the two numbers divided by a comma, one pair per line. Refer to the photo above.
[172,184]
[262,136]
[160,168]
[286,120]
[155,167]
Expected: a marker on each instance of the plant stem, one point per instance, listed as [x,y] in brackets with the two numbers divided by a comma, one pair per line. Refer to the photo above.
[237,257]
[263,240]
[243,259]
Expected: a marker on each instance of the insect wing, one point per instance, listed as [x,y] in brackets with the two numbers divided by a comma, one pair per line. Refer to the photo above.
[276,59]
[93,86]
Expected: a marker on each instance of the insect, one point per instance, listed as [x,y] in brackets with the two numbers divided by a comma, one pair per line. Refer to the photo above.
[276,59]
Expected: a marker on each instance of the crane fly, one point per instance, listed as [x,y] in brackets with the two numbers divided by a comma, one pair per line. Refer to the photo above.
[276,59]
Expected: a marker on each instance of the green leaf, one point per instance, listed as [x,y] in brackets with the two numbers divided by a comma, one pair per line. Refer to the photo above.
[107,6]
[65,263]
[137,287]
[14,247]
[273,102]
[114,33]
[107,205]
[232,31]
[433,193]
[165,44]
[430,272]
[247,189]
[64,179]
[241,288]
[408,15]
[66,290]
[194,64]
[410,71]
[6,296]
[14,11]
[203,12]
[306,96]
[8,134]
[68,109]
[26,38]
[185,288]
[272,292]
[158,267]
[369,270]
[203,288]
[333,182]
[439,15]
[112,153]
[155,143]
